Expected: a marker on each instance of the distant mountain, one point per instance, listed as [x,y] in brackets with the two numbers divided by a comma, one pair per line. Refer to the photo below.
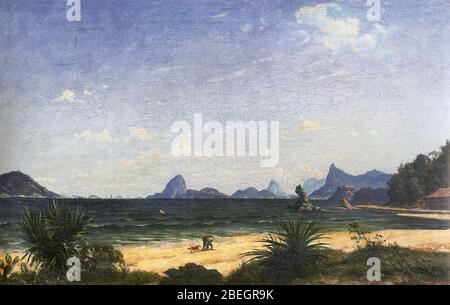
[337,177]
[207,192]
[275,188]
[312,184]
[17,184]
[252,192]
[175,188]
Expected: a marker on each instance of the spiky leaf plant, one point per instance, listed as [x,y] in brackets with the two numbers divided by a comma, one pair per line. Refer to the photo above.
[287,253]
[54,237]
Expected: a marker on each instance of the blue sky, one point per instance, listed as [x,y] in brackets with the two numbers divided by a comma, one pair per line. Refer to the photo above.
[86,107]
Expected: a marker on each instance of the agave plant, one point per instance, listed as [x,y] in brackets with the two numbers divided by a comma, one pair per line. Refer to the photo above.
[54,237]
[288,252]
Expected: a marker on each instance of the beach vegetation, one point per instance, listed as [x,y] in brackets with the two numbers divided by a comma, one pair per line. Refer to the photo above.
[287,253]
[101,261]
[53,238]
[7,266]
[192,274]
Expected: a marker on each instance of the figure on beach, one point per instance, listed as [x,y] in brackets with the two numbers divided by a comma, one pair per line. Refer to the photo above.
[207,242]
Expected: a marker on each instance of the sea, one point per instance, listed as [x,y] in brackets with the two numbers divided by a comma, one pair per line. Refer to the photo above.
[131,222]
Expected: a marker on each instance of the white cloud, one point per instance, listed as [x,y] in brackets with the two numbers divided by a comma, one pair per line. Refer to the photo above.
[310,126]
[67,96]
[103,136]
[336,33]
[87,92]
[246,27]
[139,133]
[219,16]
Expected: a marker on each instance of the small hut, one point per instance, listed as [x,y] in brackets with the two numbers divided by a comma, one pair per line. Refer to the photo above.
[438,200]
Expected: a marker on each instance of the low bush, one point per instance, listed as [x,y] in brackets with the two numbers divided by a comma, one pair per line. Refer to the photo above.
[192,274]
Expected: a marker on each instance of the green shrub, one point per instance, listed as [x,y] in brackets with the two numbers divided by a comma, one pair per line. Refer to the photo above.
[288,253]
[139,277]
[101,261]
[401,264]
[247,274]
[192,274]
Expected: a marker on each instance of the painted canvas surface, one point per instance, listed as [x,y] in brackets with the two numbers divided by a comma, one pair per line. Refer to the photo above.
[224,142]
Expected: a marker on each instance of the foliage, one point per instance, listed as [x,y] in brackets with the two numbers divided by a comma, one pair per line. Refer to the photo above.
[101,261]
[192,274]
[286,254]
[7,266]
[364,239]
[247,274]
[399,264]
[302,196]
[54,237]
[421,177]
[139,277]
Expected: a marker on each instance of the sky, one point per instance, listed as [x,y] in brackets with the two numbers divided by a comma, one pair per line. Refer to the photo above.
[87,107]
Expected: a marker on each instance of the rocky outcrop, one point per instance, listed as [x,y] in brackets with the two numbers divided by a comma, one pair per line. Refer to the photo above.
[252,192]
[359,196]
[343,192]
[275,188]
[17,184]
[303,204]
[337,177]
[345,204]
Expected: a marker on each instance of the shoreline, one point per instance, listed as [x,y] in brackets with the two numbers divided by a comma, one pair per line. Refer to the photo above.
[227,250]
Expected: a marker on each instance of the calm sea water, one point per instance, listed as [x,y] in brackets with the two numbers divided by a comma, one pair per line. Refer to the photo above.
[138,222]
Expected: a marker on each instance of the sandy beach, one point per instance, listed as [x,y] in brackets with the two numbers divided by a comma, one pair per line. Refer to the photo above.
[226,255]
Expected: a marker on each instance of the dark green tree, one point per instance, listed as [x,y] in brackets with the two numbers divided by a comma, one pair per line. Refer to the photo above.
[53,238]
[420,177]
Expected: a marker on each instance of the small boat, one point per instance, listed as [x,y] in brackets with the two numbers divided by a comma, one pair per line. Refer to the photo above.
[162,212]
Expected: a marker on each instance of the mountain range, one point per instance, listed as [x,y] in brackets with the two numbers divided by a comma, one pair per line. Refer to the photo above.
[17,184]
[336,177]
[176,188]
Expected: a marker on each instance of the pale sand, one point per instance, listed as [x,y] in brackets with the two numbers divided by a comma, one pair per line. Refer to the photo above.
[226,255]
[427,216]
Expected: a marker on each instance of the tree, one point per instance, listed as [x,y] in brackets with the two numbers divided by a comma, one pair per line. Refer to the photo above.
[54,237]
[421,177]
